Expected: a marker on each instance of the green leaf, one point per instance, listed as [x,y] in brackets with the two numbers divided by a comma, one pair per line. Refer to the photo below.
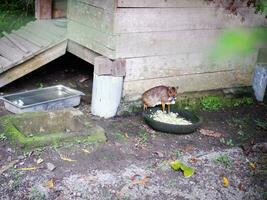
[188,171]
[175,165]
[178,165]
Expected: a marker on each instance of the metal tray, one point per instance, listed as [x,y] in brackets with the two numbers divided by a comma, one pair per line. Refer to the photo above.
[49,98]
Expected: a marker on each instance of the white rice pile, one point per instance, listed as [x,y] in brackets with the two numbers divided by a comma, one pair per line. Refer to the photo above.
[169,118]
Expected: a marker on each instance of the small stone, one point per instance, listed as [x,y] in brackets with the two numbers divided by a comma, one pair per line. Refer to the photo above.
[78,194]
[50,167]
[10,150]
[21,163]
[21,157]
[9,158]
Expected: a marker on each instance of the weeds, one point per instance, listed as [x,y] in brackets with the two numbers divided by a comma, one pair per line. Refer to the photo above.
[212,103]
[261,124]
[143,137]
[119,136]
[178,153]
[228,142]
[3,137]
[35,194]
[224,160]
[14,14]
[16,179]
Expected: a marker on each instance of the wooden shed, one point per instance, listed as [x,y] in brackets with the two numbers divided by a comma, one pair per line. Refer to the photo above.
[160,41]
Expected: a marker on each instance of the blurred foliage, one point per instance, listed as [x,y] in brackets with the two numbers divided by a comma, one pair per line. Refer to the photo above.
[15,13]
[238,43]
[233,5]
[261,6]
[26,6]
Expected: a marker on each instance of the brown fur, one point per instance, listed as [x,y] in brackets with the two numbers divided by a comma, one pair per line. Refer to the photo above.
[159,95]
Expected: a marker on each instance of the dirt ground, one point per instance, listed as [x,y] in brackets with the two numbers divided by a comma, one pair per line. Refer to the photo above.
[134,162]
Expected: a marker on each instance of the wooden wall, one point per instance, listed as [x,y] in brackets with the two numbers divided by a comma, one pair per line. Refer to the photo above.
[90,23]
[163,42]
[169,42]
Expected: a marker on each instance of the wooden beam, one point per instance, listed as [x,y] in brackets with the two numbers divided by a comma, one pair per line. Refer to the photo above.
[103,66]
[33,64]
[43,9]
[82,52]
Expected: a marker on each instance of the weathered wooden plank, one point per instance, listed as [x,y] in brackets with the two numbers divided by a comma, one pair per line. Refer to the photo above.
[191,83]
[15,42]
[82,52]
[171,19]
[161,3]
[26,37]
[49,27]
[33,64]
[91,16]
[29,45]
[10,52]
[99,42]
[164,43]
[40,32]
[104,4]
[31,37]
[181,64]
[13,46]
[4,63]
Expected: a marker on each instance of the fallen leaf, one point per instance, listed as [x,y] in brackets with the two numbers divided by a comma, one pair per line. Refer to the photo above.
[51,183]
[177,165]
[225,182]
[126,135]
[252,165]
[26,169]
[39,161]
[85,151]
[67,159]
[142,181]
[210,133]
[241,187]
[83,79]
[193,160]
[188,149]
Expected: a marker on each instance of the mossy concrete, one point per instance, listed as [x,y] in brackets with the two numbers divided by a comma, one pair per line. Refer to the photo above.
[44,128]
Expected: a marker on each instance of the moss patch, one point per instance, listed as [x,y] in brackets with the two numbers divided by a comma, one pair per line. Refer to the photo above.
[84,129]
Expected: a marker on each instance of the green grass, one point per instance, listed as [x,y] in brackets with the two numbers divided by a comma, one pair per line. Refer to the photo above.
[35,194]
[213,103]
[261,124]
[228,142]
[224,160]
[14,15]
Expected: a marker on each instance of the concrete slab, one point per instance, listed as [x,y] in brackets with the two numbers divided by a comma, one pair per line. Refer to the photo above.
[44,128]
